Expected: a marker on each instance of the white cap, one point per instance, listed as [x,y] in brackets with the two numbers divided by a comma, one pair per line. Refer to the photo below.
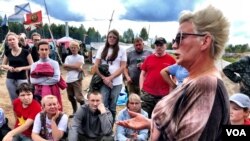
[241,100]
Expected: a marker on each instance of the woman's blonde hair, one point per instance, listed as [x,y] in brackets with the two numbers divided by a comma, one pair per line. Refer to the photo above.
[210,20]
[133,97]
[12,33]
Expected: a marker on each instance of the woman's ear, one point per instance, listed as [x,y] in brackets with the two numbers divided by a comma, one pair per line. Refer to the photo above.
[206,42]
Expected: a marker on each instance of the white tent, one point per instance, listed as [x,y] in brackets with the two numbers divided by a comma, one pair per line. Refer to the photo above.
[64,39]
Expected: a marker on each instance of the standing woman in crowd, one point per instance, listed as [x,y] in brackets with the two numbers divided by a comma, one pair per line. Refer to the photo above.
[115,57]
[16,61]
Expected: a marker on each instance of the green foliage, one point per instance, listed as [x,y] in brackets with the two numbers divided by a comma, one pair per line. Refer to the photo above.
[169,46]
[240,48]
[144,34]
[230,59]
[128,36]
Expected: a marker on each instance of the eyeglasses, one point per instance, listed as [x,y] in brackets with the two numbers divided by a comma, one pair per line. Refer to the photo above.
[114,37]
[180,36]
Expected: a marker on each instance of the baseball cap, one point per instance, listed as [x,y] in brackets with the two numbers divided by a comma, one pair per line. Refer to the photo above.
[160,40]
[241,100]
[2,117]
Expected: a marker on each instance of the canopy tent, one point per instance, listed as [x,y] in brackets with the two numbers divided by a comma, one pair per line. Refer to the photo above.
[66,40]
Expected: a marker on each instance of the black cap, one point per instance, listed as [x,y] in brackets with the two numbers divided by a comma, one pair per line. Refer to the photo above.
[160,40]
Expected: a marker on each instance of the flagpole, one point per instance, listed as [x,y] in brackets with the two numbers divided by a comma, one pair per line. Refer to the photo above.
[59,57]
[110,21]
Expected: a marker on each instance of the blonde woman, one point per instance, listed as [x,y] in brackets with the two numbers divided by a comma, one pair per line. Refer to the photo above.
[198,109]
[16,61]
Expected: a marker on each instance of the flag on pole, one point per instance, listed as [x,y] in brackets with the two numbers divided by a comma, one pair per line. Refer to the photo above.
[20,11]
[4,22]
[4,25]
[33,20]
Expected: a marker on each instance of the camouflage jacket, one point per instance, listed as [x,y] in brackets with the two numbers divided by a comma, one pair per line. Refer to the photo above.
[239,72]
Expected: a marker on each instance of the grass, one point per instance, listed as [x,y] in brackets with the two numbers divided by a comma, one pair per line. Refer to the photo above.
[230,59]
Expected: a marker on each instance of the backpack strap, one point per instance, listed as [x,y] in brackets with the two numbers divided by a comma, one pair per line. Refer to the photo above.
[44,131]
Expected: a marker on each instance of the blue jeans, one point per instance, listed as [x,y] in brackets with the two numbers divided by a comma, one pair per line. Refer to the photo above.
[110,97]
[12,85]
[21,137]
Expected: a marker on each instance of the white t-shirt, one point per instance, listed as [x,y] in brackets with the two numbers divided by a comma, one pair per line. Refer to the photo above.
[72,75]
[122,56]
[62,125]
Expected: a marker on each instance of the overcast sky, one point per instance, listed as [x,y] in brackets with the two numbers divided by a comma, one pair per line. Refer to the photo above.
[158,16]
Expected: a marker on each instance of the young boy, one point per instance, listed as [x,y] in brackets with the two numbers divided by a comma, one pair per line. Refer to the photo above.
[25,109]
[239,109]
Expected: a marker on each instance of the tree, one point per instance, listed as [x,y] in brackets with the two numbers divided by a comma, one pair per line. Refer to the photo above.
[128,36]
[144,34]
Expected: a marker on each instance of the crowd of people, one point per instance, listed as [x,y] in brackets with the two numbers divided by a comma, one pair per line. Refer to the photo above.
[166,93]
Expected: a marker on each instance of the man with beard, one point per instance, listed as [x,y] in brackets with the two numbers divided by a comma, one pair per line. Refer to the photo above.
[134,60]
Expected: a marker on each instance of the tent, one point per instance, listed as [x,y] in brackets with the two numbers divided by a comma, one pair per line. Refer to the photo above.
[65,40]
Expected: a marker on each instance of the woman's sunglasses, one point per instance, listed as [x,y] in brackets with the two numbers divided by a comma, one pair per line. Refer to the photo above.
[180,36]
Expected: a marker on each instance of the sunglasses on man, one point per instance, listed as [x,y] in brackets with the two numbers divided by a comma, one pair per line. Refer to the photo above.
[182,35]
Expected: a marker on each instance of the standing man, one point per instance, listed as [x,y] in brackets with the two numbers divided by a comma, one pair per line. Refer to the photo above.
[239,72]
[134,60]
[35,37]
[73,64]
[25,109]
[92,122]
[152,85]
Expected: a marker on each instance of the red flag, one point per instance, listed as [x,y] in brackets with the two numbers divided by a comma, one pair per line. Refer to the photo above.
[34,18]
[33,21]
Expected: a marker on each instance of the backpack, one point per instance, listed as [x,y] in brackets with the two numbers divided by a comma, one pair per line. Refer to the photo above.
[44,130]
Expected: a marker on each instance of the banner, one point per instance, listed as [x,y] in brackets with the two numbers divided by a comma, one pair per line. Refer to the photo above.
[34,18]
[33,21]
[20,11]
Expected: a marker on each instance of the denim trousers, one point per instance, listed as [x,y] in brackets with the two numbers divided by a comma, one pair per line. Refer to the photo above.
[12,85]
[110,96]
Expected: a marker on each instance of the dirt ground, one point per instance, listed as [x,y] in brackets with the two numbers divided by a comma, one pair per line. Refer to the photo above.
[5,102]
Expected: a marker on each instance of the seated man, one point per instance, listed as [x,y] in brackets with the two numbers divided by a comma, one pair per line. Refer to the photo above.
[239,109]
[126,134]
[25,109]
[92,122]
[50,124]
[4,128]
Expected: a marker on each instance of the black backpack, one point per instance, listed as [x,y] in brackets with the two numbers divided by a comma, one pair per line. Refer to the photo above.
[44,130]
